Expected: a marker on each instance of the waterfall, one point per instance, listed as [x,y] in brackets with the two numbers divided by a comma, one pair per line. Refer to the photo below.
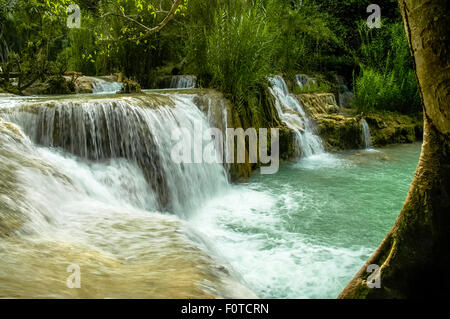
[215,107]
[138,129]
[341,99]
[366,137]
[101,86]
[304,81]
[292,114]
[58,208]
[183,82]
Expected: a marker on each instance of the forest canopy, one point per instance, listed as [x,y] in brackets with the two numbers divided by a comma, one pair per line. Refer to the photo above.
[231,45]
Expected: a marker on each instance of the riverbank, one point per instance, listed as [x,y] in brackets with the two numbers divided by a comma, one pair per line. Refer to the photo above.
[341,128]
[103,165]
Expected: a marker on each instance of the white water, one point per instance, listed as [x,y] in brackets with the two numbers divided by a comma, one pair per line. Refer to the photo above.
[102,200]
[292,114]
[303,81]
[289,236]
[341,99]
[138,129]
[183,81]
[366,137]
[247,226]
[101,86]
[102,216]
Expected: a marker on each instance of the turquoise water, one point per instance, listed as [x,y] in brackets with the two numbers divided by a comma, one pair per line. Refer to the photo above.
[301,233]
[305,231]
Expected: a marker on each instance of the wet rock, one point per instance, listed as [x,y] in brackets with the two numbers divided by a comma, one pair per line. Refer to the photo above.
[53,85]
[341,130]
[221,113]
[336,130]
[391,128]
[84,84]
[130,86]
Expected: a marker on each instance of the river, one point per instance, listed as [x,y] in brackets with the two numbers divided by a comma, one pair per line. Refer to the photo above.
[88,181]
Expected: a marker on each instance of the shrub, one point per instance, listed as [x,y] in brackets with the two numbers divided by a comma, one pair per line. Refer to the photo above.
[387,80]
[239,51]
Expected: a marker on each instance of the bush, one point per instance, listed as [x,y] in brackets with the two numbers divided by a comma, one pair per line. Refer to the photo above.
[239,51]
[314,87]
[387,80]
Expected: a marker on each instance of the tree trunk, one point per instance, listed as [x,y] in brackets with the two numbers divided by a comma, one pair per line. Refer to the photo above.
[414,258]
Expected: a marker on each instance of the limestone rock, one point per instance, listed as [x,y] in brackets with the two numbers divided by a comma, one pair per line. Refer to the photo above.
[130,86]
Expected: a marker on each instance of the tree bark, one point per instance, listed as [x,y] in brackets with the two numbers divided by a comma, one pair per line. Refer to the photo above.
[414,258]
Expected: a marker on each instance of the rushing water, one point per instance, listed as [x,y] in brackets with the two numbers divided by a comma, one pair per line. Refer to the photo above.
[78,187]
[183,82]
[305,231]
[366,137]
[291,112]
[102,86]
[136,128]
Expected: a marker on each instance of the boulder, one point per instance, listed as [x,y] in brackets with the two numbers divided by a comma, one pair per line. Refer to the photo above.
[130,86]
[53,85]
[83,84]
[340,129]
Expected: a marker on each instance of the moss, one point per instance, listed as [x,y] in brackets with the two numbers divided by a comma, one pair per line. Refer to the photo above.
[391,128]
[130,86]
[340,128]
[288,148]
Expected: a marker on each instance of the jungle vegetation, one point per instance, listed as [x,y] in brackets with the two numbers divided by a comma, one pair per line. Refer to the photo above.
[231,45]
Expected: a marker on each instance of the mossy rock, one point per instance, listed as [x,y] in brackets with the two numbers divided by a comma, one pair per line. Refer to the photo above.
[130,86]
[391,128]
[339,132]
[288,148]
[53,85]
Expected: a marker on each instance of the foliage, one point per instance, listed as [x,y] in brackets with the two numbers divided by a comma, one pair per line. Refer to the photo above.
[232,45]
[238,52]
[38,33]
[313,87]
[387,80]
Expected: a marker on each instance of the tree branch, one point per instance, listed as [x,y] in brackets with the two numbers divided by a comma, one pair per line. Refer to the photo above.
[149,30]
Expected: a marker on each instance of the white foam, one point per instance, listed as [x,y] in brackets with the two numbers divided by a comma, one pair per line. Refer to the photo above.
[246,230]
[323,160]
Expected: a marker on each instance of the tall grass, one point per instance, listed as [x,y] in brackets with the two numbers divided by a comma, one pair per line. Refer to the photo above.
[239,51]
[387,80]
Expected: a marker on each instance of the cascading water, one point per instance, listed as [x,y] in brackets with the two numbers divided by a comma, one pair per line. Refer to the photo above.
[102,86]
[292,114]
[138,129]
[96,200]
[89,181]
[183,82]
[366,137]
[304,81]
[341,99]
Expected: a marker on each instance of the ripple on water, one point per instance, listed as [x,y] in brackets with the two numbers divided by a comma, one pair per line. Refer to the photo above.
[305,232]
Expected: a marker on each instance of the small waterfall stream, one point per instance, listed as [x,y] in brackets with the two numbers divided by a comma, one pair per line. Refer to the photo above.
[183,82]
[366,137]
[102,86]
[304,81]
[292,114]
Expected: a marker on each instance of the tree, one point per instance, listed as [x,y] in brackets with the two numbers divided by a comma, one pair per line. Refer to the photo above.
[141,8]
[414,257]
[34,30]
